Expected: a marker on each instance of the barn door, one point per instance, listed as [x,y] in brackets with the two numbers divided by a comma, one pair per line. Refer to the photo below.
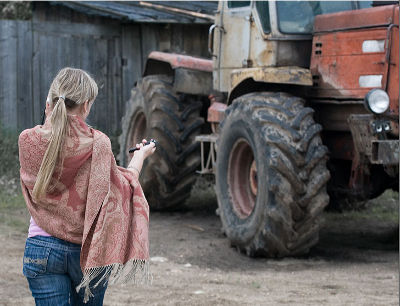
[94,48]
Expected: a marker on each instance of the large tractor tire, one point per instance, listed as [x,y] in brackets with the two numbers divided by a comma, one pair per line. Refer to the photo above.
[156,111]
[271,175]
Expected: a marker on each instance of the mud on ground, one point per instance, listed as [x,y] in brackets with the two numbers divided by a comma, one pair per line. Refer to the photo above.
[355,262]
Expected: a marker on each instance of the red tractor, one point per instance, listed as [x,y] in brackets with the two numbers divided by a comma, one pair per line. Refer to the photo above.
[300,100]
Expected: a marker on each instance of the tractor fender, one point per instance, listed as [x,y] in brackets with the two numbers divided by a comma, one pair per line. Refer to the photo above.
[191,75]
[273,76]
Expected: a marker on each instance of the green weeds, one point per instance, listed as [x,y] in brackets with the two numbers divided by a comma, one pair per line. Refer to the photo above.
[13,211]
[383,208]
[9,163]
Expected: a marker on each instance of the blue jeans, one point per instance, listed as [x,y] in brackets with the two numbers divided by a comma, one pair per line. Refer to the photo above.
[52,268]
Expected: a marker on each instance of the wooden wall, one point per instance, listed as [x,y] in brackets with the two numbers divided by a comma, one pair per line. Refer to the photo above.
[16,108]
[32,52]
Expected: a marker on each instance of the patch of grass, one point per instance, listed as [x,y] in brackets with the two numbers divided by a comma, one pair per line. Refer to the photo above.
[11,201]
[256,285]
[9,162]
[13,211]
[202,196]
[384,208]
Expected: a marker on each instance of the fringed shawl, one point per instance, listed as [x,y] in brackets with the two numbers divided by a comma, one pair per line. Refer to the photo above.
[91,201]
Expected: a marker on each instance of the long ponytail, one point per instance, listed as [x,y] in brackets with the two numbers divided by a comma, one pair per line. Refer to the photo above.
[59,125]
[70,88]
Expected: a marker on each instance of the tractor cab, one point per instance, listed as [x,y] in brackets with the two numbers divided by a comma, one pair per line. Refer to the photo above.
[260,34]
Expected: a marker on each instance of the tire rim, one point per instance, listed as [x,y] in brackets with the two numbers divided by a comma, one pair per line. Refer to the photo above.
[242,178]
[138,131]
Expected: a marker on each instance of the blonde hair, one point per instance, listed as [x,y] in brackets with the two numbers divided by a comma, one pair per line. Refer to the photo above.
[69,89]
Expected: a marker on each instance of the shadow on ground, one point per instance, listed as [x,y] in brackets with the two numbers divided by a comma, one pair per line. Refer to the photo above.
[194,236]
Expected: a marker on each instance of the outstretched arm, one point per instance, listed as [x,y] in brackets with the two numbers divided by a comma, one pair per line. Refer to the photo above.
[136,163]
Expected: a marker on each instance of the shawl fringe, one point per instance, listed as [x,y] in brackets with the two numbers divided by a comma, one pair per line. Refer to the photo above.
[134,271]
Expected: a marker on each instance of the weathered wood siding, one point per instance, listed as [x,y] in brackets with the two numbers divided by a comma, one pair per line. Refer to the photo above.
[16,74]
[32,52]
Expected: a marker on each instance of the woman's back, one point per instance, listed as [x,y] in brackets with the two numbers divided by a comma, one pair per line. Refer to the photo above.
[91,216]
[67,196]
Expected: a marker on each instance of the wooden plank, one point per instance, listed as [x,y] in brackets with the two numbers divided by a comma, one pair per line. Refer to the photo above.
[149,37]
[177,38]
[111,101]
[75,49]
[8,68]
[99,112]
[117,86]
[36,71]
[3,57]
[196,45]
[47,73]
[86,53]
[164,35]
[61,53]
[132,61]
[24,76]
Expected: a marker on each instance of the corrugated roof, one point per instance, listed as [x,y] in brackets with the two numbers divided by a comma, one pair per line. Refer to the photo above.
[147,11]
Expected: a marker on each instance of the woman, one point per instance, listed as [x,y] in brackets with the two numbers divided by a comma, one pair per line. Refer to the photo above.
[89,217]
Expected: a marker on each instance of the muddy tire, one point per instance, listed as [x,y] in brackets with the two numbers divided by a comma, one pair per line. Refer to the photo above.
[271,175]
[155,111]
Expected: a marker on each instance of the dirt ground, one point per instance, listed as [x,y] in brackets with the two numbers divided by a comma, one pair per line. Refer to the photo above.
[355,263]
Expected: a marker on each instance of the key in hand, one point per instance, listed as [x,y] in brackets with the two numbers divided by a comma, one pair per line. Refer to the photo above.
[131,150]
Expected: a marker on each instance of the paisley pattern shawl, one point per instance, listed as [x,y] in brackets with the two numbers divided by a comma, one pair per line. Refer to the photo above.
[112,224]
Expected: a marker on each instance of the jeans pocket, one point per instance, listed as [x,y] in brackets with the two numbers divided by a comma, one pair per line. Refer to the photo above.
[35,260]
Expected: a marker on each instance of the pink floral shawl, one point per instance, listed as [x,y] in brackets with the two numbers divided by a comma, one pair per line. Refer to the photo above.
[92,201]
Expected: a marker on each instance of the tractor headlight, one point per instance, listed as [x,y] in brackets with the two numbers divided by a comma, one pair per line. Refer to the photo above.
[377,101]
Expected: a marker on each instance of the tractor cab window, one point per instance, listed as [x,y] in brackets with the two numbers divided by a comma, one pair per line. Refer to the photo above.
[263,12]
[365,4]
[297,17]
[235,4]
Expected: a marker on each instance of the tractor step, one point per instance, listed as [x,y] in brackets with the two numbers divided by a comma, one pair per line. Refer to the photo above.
[207,166]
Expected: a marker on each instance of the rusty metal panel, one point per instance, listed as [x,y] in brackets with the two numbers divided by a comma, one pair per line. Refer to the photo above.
[360,126]
[231,42]
[339,77]
[385,152]
[369,17]
[184,61]
[192,81]
[216,112]
[338,63]
[333,117]
[382,152]
[345,43]
[393,73]
[240,42]
[340,145]
[280,75]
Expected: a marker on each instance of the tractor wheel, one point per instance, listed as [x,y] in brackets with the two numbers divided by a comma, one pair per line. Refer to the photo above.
[156,111]
[271,175]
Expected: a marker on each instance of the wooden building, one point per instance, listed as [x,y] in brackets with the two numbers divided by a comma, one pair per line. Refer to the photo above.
[110,40]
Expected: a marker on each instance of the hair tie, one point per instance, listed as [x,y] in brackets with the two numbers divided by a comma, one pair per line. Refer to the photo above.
[61,97]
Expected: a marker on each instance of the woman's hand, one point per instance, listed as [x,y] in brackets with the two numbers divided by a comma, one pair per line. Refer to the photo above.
[144,150]
[140,155]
